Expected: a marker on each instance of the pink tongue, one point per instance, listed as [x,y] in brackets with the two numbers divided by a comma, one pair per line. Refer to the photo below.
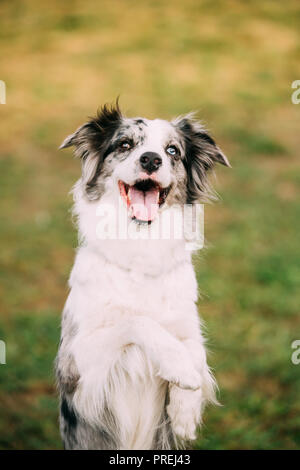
[144,206]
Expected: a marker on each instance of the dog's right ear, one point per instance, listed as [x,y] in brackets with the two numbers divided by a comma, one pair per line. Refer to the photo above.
[91,141]
[75,139]
[93,134]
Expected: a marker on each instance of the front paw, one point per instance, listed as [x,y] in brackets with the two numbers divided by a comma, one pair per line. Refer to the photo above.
[184,410]
[184,375]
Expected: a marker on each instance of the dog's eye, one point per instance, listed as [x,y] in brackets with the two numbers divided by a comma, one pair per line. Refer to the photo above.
[125,145]
[172,150]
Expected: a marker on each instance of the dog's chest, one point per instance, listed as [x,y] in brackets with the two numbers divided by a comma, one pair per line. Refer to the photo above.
[110,289]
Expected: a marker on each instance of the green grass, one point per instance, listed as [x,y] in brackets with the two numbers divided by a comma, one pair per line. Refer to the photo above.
[234,63]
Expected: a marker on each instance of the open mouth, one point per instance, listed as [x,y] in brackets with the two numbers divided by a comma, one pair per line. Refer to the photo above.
[143,199]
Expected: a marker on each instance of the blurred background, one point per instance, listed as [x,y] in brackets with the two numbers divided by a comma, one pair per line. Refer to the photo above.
[232,61]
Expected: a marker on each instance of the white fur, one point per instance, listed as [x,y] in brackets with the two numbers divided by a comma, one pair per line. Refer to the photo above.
[133,302]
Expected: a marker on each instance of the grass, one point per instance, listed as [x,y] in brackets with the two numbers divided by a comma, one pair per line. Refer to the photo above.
[235,63]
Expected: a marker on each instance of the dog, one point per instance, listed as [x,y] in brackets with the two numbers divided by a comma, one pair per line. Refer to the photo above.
[131,367]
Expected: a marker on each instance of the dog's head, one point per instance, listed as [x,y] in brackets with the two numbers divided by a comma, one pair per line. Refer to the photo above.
[151,163]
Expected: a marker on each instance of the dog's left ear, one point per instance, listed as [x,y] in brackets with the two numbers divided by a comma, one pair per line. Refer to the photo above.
[201,155]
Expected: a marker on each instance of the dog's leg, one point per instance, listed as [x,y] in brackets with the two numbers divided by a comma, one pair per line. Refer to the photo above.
[76,433]
[186,407]
[169,356]
[96,355]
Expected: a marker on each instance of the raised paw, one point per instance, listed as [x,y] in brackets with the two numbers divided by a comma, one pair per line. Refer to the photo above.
[182,374]
[189,380]
[184,410]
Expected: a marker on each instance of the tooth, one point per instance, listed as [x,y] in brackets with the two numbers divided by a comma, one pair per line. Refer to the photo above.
[128,196]
[157,196]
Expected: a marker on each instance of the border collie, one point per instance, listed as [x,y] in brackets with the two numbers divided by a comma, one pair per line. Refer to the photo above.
[131,367]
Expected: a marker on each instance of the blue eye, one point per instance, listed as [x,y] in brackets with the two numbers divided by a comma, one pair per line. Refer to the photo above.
[172,150]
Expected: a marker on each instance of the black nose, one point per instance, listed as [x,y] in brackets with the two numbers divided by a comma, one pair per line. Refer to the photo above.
[150,161]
